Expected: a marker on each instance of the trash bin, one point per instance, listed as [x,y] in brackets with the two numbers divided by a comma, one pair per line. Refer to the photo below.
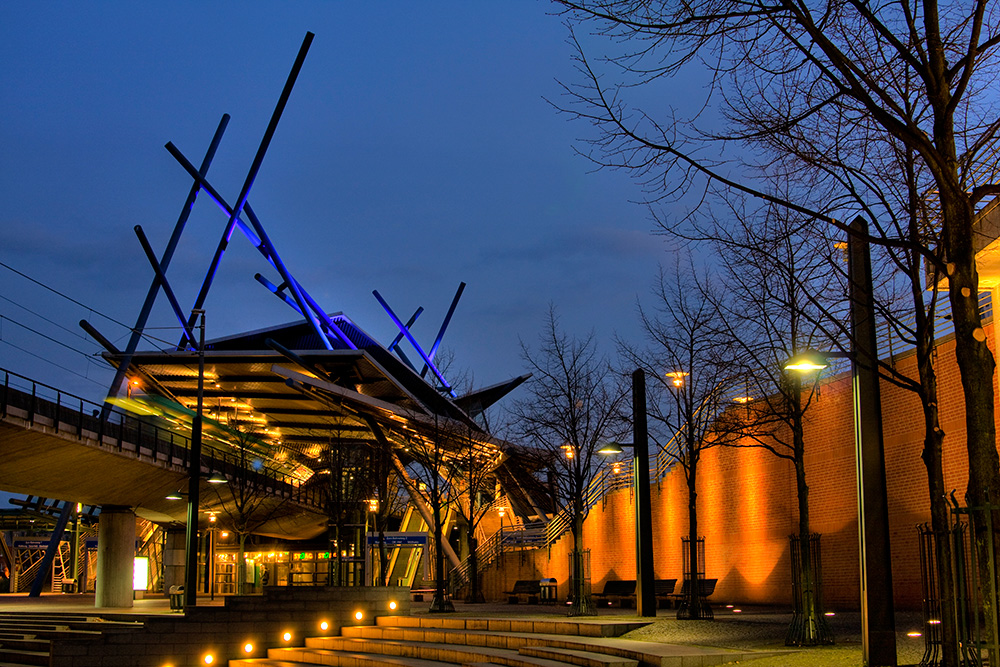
[68,585]
[547,592]
[176,598]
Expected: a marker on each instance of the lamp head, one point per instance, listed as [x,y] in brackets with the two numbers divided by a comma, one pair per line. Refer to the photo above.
[217,478]
[610,449]
[806,362]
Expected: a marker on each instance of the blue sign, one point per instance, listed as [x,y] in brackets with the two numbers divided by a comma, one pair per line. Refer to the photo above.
[397,539]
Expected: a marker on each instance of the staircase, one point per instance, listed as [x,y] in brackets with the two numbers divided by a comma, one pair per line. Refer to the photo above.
[26,639]
[407,641]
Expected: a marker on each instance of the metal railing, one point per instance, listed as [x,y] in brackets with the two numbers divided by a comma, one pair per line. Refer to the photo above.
[40,404]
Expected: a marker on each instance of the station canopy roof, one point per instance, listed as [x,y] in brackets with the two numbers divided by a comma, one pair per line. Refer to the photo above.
[301,399]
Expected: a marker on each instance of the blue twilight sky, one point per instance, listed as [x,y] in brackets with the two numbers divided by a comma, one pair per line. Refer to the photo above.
[416,152]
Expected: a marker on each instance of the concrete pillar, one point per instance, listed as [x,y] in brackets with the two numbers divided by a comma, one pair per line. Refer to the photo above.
[173,558]
[115,554]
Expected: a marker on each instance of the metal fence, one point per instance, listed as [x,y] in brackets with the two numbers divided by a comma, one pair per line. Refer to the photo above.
[40,404]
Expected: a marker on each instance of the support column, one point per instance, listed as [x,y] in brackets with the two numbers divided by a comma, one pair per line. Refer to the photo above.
[173,558]
[115,554]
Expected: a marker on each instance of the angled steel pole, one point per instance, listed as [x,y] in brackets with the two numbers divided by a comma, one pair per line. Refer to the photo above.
[258,160]
[162,278]
[413,341]
[878,625]
[645,589]
[194,477]
[444,326]
[168,253]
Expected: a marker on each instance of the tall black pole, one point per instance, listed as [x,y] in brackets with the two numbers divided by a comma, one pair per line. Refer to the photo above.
[878,625]
[645,589]
[194,475]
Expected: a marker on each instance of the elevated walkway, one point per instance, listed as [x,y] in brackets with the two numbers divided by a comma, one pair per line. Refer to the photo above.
[48,438]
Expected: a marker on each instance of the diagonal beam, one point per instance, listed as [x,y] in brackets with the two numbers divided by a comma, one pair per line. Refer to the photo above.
[162,278]
[257,243]
[255,166]
[444,325]
[168,253]
[413,342]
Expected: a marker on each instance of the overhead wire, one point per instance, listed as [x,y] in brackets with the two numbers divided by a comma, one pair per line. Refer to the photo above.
[49,361]
[130,328]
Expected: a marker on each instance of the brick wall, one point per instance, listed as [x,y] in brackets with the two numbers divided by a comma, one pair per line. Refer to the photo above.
[747,505]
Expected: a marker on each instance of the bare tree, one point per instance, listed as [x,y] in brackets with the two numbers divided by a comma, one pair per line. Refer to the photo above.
[474,469]
[437,481]
[798,78]
[692,369]
[247,502]
[349,488]
[573,409]
[777,272]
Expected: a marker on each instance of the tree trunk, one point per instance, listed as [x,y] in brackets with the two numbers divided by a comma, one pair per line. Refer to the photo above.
[582,603]
[976,365]
[694,606]
[475,595]
[241,566]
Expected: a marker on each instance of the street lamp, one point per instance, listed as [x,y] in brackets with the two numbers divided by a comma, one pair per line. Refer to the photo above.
[194,473]
[878,625]
[645,589]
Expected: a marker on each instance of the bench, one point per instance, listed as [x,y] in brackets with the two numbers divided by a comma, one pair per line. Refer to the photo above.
[706,588]
[622,590]
[528,588]
[663,589]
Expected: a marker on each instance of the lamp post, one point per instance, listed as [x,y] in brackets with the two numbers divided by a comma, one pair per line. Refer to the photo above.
[194,473]
[644,576]
[878,626]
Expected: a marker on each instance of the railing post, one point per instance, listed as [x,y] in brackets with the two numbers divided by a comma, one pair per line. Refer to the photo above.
[79,426]
[55,420]
[6,383]
[31,411]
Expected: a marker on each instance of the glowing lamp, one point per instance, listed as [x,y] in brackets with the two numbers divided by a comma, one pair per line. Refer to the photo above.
[324,625]
[287,636]
[209,659]
[248,648]
[806,362]
[392,605]
[358,615]
[677,377]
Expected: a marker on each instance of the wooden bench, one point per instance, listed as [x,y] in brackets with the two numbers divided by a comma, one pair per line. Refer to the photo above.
[622,590]
[528,588]
[663,589]
[706,588]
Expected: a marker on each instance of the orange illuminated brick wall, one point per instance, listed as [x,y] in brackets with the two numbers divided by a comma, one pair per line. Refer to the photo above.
[747,506]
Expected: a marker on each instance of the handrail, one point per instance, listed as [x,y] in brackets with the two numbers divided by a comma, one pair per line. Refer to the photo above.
[148,440]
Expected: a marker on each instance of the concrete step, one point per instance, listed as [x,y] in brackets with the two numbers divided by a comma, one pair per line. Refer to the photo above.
[24,657]
[578,657]
[265,662]
[590,628]
[319,656]
[25,643]
[441,652]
